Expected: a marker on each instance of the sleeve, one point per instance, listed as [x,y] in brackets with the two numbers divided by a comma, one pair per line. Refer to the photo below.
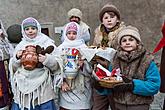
[95,38]
[87,69]
[86,36]
[151,84]
[51,62]
[16,62]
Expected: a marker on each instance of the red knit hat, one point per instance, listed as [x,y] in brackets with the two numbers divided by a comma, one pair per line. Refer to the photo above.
[109,8]
[71,27]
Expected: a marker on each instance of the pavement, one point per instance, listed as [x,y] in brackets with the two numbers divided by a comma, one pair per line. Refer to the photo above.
[158,102]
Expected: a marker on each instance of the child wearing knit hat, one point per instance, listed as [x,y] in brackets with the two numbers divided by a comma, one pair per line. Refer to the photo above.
[74,85]
[75,15]
[106,36]
[141,79]
[32,88]
[105,33]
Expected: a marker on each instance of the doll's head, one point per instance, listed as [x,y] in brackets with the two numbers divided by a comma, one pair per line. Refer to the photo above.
[129,38]
[71,31]
[75,15]
[30,27]
[109,16]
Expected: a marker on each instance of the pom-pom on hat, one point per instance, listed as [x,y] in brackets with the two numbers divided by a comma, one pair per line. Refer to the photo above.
[109,8]
[29,22]
[129,30]
[71,27]
[75,12]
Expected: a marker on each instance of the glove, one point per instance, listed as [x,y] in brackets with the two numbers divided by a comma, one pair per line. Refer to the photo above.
[123,87]
[126,80]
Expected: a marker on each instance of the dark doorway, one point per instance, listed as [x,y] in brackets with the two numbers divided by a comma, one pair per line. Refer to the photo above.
[45,31]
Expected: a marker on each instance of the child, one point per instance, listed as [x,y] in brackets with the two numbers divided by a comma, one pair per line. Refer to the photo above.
[32,88]
[75,15]
[6,51]
[75,92]
[105,36]
[140,73]
[105,33]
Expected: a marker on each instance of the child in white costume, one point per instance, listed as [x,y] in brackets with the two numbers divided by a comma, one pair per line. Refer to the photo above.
[78,95]
[32,88]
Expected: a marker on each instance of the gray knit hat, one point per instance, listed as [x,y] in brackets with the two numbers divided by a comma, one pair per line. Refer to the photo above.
[75,12]
[129,30]
[109,8]
[29,22]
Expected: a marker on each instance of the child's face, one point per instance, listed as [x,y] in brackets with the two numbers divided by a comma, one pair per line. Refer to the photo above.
[75,19]
[109,20]
[71,35]
[31,32]
[128,43]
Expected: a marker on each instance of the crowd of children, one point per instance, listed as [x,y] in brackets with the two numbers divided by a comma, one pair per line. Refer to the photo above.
[40,71]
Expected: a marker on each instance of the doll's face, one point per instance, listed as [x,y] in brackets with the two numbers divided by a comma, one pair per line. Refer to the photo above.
[109,20]
[71,35]
[128,43]
[31,32]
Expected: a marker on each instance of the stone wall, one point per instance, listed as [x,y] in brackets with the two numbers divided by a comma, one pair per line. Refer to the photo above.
[146,15]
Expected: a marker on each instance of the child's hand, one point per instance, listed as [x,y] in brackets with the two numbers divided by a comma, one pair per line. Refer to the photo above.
[19,54]
[65,87]
[41,58]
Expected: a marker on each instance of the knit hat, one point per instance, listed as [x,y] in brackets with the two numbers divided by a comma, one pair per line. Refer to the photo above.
[71,27]
[29,22]
[129,30]
[75,12]
[109,8]
[14,33]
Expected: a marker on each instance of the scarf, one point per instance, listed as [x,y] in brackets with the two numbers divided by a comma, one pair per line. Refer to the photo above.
[105,32]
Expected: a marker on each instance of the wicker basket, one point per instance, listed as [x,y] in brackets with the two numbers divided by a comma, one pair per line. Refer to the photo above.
[108,83]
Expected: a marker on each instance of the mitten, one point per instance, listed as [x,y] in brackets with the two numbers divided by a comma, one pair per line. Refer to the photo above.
[40,50]
[125,79]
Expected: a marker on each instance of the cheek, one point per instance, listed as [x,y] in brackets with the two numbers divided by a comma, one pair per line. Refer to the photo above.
[114,21]
[104,21]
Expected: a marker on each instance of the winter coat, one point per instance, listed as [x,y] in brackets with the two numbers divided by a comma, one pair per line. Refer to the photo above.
[139,67]
[100,31]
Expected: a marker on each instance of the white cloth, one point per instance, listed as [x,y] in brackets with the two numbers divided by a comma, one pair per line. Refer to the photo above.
[84,32]
[89,53]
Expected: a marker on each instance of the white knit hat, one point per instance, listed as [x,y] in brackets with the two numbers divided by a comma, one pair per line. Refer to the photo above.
[75,12]
[129,30]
